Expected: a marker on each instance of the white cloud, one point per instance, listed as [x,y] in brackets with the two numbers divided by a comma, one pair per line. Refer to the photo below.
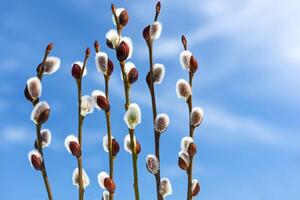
[16,135]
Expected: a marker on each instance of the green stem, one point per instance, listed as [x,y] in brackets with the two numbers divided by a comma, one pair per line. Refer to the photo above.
[134,164]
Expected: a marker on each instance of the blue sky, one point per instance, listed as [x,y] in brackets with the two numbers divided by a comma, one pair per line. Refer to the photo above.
[247,83]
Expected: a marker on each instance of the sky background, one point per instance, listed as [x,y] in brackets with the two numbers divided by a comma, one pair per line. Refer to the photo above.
[247,83]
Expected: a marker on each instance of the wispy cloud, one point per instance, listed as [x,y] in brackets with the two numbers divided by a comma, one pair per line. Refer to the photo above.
[15,135]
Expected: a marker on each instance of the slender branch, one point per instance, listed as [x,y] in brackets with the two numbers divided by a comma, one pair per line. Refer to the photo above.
[154,112]
[108,125]
[38,127]
[80,123]
[191,130]
[126,85]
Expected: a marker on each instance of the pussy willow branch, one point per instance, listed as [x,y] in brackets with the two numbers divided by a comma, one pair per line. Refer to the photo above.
[108,126]
[127,99]
[191,130]
[38,132]
[80,122]
[154,112]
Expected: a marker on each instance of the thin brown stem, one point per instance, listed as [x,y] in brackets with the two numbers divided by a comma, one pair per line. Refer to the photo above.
[154,114]
[38,132]
[191,130]
[44,171]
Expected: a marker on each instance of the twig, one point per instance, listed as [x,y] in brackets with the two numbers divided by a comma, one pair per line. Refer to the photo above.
[40,72]
[126,85]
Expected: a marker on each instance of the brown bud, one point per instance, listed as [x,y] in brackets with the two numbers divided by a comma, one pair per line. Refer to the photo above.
[43,117]
[123,18]
[193,64]
[103,103]
[87,52]
[97,46]
[36,162]
[184,42]
[158,7]
[132,75]
[109,185]
[76,71]
[113,8]
[123,51]
[115,147]
[49,47]
[110,67]
[196,189]
[39,68]
[138,147]
[109,44]
[148,80]
[27,95]
[146,33]
[182,164]
[192,149]
[75,149]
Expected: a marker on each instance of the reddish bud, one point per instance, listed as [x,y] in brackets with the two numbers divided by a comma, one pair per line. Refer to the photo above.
[192,149]
[36,162]
[184,42]
[109,44]
[123,18]
[196,189]
[110,185]
[148,80]
[115,147]
[76,71]
[146,33]
[49,47]
[110,67]
[123,51]
[193,64]
[75,149]
[158,7]
[97,46]
[43,117]
[182,164]
[87,52]
[113,8]
[103,103]
[132,75]
[138,147]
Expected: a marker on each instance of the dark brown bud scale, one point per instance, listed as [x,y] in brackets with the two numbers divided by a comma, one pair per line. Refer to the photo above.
[36,162]
[75,149]
[97,46]
[39,68]
[132,75]
[76,71]
[123,51]
[109,44]
[123,18]
[115,147]
[196,190]
[192,149]
[182,164]
[148,80]
[109,185]
[110,67]
[27,95]
[43,116]
[146,33]
[193,64]
[103,103]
